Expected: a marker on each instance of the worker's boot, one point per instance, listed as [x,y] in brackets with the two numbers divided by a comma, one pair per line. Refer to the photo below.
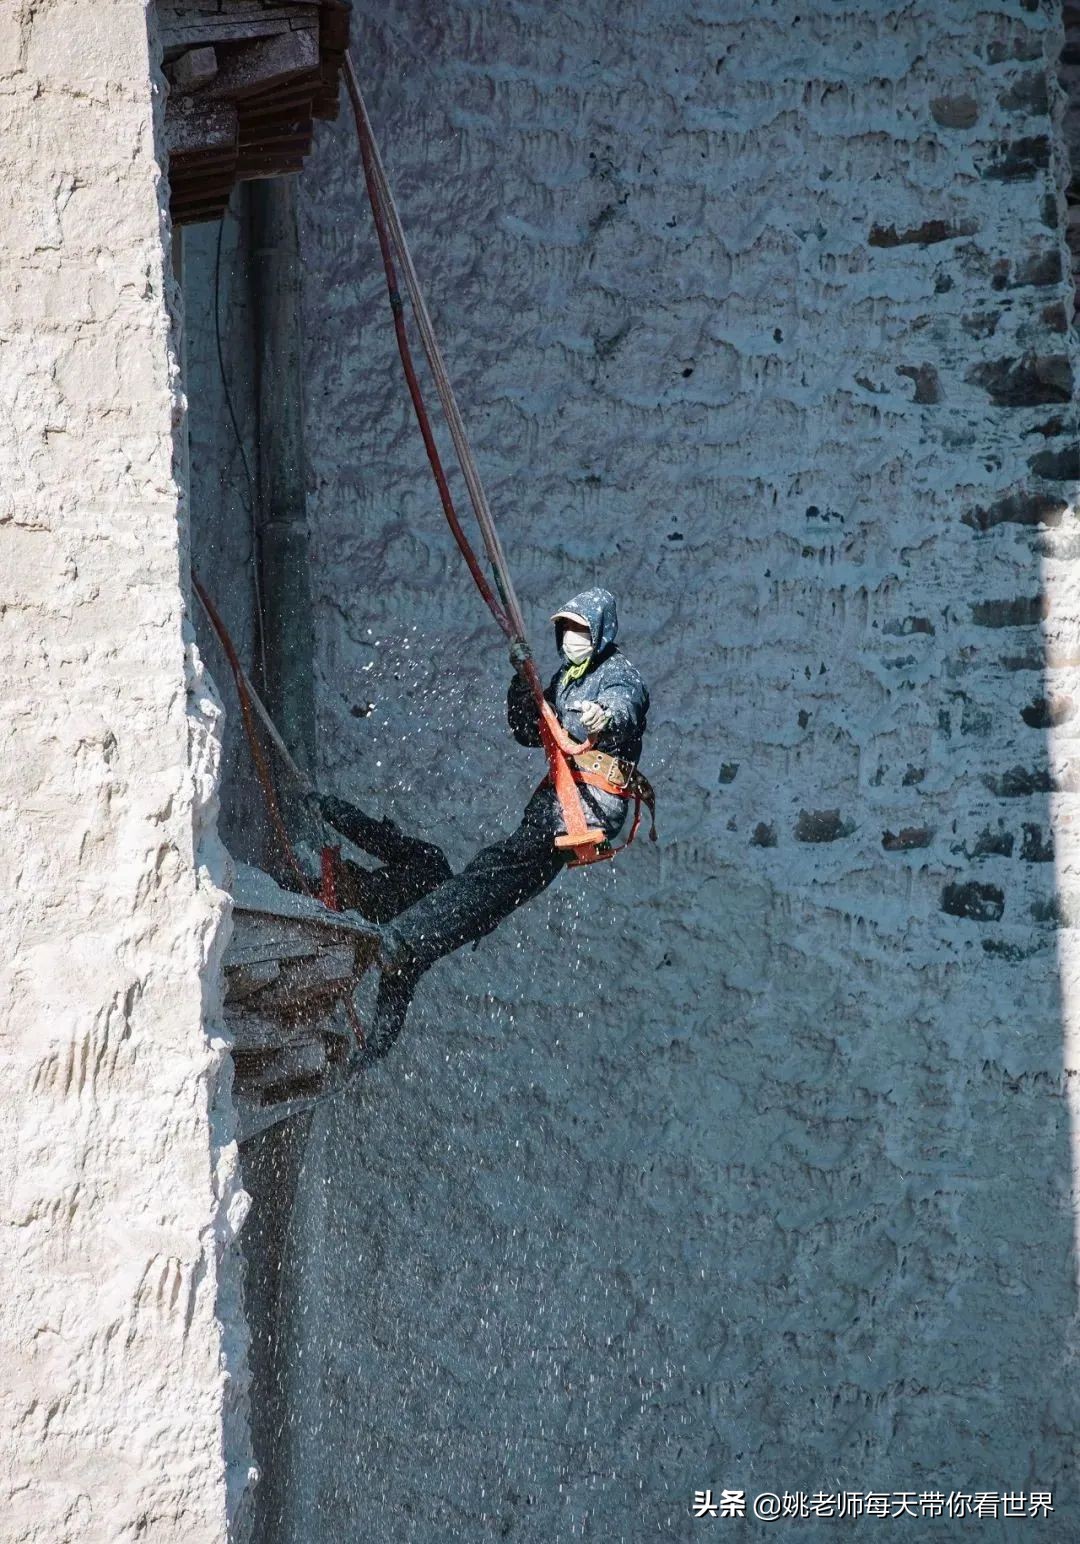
[368,834]
[394,952]
[380,946]
[397,982]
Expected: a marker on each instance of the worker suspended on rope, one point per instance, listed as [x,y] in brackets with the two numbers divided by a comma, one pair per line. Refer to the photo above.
[590,721]
[598,695]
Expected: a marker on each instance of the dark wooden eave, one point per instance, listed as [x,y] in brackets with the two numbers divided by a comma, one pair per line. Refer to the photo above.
[291,968]
[247,80]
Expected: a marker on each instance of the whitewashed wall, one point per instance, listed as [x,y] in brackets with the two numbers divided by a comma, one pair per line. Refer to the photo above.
[746,1163]
[116,1170]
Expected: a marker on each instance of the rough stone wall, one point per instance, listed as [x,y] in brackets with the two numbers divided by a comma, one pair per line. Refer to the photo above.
[747,1162]
[119,1200]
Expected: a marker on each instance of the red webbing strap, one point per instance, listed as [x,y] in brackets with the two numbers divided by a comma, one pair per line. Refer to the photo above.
[329,858]
[640,790]
[641,793]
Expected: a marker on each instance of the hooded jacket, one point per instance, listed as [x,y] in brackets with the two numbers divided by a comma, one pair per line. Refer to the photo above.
[609,679]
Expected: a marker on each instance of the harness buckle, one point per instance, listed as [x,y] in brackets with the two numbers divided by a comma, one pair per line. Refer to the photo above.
[586,855]
[618,773]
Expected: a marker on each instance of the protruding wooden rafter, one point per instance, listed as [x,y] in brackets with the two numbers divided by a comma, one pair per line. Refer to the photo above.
[247,80]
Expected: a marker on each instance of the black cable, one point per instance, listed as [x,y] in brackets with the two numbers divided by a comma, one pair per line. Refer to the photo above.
[252,503]
[221,368]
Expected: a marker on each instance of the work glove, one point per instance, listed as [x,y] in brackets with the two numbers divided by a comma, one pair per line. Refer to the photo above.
[333,810]
[594,717]
[312,800]
[520,653]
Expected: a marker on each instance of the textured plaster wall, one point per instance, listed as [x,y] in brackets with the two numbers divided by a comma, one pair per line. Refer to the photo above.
[746,1162]
[116,1169]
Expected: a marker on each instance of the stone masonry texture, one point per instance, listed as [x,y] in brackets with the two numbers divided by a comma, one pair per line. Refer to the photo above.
[745,1162]
[116,1168]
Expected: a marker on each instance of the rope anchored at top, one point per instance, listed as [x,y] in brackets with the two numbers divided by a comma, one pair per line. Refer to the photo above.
[505,608]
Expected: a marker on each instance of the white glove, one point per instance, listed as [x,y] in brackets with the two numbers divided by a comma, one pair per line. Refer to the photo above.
[593,716]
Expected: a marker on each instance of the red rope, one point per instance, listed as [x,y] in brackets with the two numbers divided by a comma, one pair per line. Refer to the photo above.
[266,784]
[247,714]
[419,406]
[558,745]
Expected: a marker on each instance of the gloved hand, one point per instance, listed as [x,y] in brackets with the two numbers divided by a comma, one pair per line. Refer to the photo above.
[312,800]
[332,809]
[594,717]
[520,653]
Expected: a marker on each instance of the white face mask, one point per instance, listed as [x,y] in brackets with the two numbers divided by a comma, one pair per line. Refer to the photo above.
[576,646]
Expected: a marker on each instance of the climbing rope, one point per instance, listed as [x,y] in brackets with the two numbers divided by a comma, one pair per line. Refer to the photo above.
[506,610]
[248,697]
[250,704]
[586,842]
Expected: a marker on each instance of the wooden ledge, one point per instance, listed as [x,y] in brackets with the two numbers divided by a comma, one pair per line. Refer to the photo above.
[247,81]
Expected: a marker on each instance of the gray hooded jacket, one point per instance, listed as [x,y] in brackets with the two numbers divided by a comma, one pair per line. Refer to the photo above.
[609,679]
[464,907]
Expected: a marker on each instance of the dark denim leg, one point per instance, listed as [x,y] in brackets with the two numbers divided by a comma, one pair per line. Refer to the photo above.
[384,893]
[468,905]
[396,988]
[499,879]
[411,868]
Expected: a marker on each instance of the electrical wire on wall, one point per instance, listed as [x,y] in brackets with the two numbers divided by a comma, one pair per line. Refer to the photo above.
[251,500]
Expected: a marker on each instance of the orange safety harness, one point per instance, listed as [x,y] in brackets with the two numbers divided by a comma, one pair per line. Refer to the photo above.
[637,788]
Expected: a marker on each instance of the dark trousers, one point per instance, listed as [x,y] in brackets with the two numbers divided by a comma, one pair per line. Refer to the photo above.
[410,867]
[437,911]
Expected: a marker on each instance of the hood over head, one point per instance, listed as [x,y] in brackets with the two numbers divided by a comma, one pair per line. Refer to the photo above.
[596,608]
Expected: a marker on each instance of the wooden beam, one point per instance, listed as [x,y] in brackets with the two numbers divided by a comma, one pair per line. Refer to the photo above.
[194,69]
[277,68]
[291,102]
[260,167]
[197,126]
[183,25]
[265,65]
